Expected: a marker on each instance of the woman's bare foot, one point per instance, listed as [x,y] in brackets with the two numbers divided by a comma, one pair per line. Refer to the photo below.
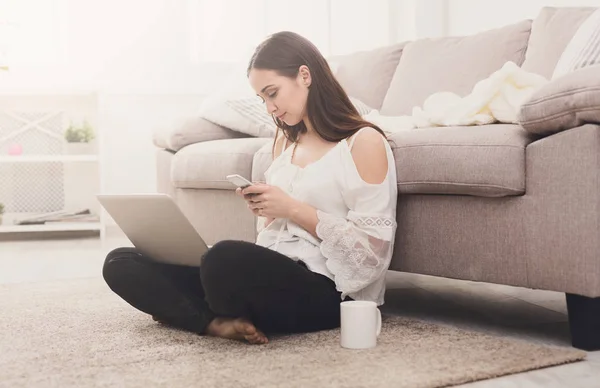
[236,328]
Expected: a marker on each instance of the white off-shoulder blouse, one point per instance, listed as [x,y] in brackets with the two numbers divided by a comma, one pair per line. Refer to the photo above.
[357,220]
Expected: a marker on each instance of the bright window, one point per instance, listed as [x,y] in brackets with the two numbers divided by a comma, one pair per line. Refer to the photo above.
[33,32]
[228,30]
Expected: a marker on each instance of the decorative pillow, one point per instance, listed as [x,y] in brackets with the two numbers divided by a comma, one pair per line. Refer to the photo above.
[452,64]
[242,114]
[238,108]
[191,130]
[551,31]
[564,103]
[584,48]
[366,75]
[235,105]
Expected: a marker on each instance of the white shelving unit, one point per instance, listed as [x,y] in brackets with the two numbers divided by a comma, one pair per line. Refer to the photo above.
[40,173]
[48,158]
[56,227]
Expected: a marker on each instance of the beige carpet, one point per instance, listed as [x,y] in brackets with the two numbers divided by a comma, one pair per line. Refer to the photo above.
[76,333]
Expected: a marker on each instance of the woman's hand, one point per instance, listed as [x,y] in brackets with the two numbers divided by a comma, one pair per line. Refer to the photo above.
[272,202]
[268,220]
[268,201]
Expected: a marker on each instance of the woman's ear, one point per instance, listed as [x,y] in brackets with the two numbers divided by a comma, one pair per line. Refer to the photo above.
[304,75]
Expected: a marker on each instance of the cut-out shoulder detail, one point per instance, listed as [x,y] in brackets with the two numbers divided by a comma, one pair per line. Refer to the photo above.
[370,155]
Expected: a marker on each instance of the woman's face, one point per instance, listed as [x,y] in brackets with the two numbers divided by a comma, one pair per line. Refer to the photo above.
[284,97]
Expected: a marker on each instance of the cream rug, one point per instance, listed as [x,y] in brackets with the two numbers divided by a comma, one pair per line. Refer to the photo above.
[76,333]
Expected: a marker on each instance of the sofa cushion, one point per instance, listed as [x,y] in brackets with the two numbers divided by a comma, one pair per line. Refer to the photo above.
[566,102]
[189,131]
[205,165]
[486,161]
[551,31]
[366,75]
[452,64]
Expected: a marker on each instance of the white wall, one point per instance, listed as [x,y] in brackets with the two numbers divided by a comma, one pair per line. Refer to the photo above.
[128,121]
[465,17]
[147,46]
[132,46]
[138,55]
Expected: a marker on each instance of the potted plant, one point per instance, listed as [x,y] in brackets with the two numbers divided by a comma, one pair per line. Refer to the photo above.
[1,212]
[79,138]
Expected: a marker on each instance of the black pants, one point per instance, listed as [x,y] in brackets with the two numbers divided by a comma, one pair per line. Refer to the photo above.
[235,279]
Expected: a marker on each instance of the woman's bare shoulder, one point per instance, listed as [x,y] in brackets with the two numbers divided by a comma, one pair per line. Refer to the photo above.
[370,155]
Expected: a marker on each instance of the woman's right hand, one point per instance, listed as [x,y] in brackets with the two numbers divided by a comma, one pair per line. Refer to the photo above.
[248,198]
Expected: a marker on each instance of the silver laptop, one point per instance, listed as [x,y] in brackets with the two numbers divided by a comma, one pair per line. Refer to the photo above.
[156,226]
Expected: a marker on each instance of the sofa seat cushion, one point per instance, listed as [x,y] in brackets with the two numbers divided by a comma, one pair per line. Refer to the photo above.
[485,161]
[205,165]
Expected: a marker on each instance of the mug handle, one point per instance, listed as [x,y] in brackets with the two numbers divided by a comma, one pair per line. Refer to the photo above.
[378,322]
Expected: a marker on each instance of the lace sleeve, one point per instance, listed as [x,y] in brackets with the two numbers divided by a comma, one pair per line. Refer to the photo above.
[358,248]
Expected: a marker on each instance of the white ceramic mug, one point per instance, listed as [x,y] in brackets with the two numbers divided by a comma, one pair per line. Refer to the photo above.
[360,324]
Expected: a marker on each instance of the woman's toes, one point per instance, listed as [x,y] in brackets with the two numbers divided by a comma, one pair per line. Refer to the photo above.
[256,338]
[252,338]
[244,327]
[240,329]
[260,338]
[260,341]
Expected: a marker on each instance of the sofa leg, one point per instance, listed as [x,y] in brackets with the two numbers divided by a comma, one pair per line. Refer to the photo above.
[584,321]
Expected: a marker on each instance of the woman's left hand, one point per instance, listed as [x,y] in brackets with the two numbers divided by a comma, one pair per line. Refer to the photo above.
[269,201]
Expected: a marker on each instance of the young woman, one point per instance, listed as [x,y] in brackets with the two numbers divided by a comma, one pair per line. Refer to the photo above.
[329,211]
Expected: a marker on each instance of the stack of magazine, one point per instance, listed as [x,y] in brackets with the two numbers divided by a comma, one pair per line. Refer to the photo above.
[59,217]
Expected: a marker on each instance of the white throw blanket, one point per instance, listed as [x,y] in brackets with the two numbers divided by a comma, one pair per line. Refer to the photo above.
[497,98]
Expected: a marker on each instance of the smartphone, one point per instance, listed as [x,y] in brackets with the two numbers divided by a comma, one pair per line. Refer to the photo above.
[239,181]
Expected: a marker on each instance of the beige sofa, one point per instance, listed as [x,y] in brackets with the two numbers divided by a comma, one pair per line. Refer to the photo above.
[500,203]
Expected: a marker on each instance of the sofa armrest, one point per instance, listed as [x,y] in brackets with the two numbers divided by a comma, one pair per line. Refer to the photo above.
[560,214]
[192,130]
[567,102]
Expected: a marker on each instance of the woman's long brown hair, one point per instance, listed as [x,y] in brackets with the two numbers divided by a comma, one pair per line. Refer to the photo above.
[329,109]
